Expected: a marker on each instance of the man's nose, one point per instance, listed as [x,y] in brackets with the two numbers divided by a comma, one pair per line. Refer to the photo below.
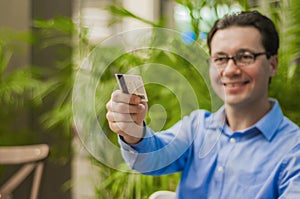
[231,68]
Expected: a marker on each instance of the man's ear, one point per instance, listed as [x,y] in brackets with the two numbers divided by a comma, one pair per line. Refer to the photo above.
[274,65]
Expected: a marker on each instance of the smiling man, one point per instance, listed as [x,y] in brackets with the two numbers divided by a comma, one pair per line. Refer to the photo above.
[247,149]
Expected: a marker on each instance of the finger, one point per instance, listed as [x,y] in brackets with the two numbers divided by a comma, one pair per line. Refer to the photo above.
[120,117]
[125,108]
[127,128]
[119,96]
[115,128]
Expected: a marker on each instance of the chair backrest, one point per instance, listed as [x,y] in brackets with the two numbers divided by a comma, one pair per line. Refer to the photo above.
[32,158]
[163,195]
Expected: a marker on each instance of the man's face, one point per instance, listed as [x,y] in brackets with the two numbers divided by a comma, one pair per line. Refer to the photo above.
[241,85]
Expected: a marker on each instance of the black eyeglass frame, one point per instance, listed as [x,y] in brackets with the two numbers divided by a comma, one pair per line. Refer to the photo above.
[235,58]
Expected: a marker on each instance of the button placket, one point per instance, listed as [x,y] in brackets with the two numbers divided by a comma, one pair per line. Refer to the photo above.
[224,155]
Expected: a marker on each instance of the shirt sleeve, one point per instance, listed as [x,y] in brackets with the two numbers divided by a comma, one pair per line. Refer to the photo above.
[164,152]
[130,152]
[289,178]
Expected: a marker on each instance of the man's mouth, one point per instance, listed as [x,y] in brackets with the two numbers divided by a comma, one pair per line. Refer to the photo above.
[235,84]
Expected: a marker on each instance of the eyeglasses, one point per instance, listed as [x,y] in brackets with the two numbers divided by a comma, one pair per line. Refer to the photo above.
[243,58]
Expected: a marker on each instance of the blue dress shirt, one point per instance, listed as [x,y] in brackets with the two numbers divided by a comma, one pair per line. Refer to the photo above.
[261,162]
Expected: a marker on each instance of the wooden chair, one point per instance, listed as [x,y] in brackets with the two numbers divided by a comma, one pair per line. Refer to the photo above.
[31,158]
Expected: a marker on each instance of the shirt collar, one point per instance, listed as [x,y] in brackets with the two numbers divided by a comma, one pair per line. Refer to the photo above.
[266,125]
[271,121]
[216,120]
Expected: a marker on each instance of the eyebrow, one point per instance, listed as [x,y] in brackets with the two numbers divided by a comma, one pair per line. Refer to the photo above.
[220,53]
[238,51]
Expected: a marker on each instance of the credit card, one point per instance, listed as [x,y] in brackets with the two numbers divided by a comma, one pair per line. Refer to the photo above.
[132,84]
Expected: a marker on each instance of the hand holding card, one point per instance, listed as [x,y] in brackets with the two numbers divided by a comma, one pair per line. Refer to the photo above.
[126,113]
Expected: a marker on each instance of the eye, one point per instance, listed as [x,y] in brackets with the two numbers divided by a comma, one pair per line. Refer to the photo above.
[247,57]
[220,60]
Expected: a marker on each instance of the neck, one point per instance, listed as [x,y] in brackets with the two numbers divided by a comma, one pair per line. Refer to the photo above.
[239,117]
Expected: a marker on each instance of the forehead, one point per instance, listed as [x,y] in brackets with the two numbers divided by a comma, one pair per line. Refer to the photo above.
[230,40]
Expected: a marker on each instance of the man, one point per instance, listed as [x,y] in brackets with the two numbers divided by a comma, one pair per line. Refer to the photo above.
[247,149]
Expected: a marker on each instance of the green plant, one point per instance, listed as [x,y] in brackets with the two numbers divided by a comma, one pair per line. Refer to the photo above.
[18,87]
[285,86]
[59,35]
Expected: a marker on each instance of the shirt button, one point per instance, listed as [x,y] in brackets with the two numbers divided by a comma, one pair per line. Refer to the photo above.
[232,140]
[220,169]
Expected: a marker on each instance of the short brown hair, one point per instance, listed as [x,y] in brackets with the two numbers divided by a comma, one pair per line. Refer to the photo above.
[270,38]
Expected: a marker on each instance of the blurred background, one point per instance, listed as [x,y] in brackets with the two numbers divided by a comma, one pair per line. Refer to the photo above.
[42,45]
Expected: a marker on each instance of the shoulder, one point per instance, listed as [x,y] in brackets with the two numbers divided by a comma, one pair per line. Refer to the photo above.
[289,125]
[288,133]
[291,136]
[283,128]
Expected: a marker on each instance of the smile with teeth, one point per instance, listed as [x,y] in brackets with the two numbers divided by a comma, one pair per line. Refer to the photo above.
[235,84]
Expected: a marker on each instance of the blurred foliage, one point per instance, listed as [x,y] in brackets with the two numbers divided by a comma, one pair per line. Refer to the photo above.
[61,34]
[14,84]
[119,185]
[120,13]
[58,80]
[289,87]
[285,86]
[36,98]
[18,87]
